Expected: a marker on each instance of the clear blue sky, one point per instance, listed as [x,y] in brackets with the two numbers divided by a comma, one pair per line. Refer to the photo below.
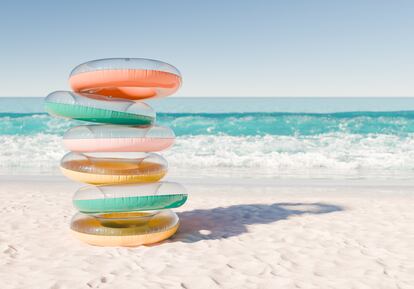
[223,48]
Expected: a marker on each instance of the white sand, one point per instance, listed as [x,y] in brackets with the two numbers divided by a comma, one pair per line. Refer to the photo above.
[294,235]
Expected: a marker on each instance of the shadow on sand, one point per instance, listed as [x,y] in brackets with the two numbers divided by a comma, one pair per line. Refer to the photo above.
[225,222]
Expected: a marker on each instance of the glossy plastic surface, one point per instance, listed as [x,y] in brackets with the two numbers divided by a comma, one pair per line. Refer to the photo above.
[116,138]
[137,197]
[130,78]
[113,168]
[125,229]
[100,109]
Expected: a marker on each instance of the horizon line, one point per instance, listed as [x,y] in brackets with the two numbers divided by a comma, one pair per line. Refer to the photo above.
[246,96]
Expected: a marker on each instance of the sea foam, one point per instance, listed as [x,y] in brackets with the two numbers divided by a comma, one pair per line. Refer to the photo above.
[260,156]
[261,144]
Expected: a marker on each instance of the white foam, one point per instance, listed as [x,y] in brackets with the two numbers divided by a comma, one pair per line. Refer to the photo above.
[331,151]
[35,151]
[270,155]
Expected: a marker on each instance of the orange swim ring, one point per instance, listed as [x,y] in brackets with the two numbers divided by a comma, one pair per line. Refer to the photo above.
[129,78]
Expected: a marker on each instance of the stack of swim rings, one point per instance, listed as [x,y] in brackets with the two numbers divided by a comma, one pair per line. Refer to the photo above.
[124,204]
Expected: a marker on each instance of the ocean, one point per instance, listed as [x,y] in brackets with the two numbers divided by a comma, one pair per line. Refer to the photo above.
[242,137]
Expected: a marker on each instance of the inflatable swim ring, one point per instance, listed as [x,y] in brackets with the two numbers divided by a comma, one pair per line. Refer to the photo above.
[130,78]
[115,138]
[113,168]
[125,229]
[142,197]
[89,107]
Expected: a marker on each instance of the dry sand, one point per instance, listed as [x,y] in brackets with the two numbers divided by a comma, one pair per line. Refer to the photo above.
[231,236]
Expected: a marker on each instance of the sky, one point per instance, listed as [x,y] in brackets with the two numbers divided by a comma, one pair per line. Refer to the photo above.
[222,48]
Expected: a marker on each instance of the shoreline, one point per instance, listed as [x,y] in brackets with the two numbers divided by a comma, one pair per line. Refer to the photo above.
[387,184]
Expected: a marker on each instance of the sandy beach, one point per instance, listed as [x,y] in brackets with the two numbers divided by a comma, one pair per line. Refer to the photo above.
[296,234]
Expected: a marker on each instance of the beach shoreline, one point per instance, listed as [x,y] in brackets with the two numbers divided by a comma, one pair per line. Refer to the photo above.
[233,234]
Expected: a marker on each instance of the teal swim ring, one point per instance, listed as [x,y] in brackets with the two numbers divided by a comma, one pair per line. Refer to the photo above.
[125,198]
[88,107]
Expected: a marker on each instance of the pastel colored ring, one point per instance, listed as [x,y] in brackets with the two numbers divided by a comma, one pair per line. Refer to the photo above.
[89,107]
[129,78]
[116,138]
[125,229]
[125,198]
[113,168]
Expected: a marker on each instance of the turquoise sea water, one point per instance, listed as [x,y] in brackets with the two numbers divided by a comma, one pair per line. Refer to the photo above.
[267,135]
[239,124]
